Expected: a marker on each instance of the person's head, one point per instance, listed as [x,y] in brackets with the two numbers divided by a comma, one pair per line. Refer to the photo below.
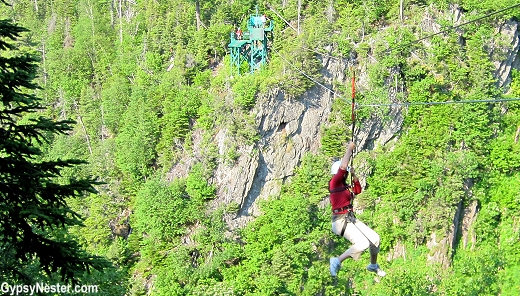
[335,167]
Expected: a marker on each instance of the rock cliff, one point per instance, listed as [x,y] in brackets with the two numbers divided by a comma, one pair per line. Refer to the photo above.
[288,129]
[504,51]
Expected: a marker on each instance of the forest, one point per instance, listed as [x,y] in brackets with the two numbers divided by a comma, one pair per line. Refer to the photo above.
[149,114]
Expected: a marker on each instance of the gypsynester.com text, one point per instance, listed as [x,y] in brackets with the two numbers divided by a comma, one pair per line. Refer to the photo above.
[45,288]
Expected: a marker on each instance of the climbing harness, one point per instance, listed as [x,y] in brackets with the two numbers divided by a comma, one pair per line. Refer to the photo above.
[349,217]
[345,187]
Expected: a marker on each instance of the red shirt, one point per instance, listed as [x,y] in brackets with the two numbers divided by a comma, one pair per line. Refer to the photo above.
[342,198]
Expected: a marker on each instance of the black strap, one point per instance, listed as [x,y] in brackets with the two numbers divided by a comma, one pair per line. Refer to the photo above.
[340,189]
[344,226]
[349,217]
[349,207]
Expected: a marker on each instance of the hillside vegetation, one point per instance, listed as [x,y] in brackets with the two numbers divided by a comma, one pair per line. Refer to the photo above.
[149,85]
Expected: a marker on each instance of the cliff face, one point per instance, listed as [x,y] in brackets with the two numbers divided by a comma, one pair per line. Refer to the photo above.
[288,129]
[505,53]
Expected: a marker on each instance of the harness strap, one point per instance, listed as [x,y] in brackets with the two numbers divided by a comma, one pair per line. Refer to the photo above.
[339,189]
[349,217]
[344,227]
[349,207]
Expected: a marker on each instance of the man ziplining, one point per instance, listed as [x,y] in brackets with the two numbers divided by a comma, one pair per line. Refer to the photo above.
[344,222]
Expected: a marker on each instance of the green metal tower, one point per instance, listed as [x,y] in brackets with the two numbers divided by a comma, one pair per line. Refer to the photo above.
[251,46]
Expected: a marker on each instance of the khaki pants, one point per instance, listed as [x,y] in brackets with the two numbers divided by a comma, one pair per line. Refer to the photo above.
[357,234]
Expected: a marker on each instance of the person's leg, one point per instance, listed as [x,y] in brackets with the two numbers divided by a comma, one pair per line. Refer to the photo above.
[352,233]
[359,244]
[373,258]
[374,247]
[335,264]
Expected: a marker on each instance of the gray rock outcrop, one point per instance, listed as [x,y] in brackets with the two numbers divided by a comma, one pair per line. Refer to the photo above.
[288,129]
[504,50]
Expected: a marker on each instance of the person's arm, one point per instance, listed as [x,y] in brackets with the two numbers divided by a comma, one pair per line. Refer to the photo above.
[348,154]
[355,180]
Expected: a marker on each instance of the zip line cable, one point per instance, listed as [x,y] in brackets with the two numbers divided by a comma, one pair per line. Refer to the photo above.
[353,117]
[322,54]
[304,74]
[455,27]
[356,105]
[429,36]
[439,103]
[402,46]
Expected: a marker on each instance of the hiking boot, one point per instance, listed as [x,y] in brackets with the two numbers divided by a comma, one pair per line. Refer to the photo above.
[374,268]
[335,265]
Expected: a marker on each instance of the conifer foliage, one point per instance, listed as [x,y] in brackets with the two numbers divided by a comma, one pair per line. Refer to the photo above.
[34,215]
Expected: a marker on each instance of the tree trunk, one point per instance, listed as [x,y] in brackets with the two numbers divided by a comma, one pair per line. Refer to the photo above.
[44,64]
[120,21]
[197,14]
[299,9]
[401,8]
[112,5]
[80,119]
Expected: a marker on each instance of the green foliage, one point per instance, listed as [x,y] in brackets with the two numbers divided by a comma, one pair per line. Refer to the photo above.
[474,267]
[206,115]
[505,154]
[178,112]
[197,185]
[245,89]
[504,191]
[515,83]
[508,280]
[281,244]
[136,142]
[178,271]
[115,99]
[408,278]
[333,140]
[35,217]
[243,128]
[489,219]
[310,179]
[97,216]
[486,5]
[339,132]
[293,82]
[508,284]
[151,86]
[163,211]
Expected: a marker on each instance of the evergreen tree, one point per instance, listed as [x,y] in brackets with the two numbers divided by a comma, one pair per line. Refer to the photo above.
[34,215]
